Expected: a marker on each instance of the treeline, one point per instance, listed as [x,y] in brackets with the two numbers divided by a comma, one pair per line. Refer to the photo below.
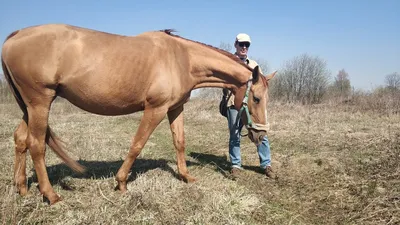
[5,94]
[305,79]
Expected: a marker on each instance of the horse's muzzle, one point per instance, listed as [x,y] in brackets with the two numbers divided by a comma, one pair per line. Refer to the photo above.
[256,136]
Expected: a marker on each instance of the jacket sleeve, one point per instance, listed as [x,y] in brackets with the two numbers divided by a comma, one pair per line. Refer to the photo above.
[253,64]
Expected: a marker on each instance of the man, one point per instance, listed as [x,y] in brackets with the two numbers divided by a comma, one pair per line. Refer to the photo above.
[242,44]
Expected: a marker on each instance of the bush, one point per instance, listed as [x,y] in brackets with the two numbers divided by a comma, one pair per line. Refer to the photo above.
[5,93]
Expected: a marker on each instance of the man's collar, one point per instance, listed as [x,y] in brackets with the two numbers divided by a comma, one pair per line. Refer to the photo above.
[245,60]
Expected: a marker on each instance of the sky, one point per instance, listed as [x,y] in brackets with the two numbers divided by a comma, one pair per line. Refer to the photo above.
[361,37]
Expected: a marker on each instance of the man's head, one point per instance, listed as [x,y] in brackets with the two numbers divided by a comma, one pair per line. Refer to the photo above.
[242,44]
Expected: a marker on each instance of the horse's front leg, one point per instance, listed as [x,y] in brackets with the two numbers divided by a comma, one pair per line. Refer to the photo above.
[150,120]
[175,118]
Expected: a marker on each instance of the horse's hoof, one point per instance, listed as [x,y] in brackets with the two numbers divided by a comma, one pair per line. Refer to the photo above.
[121,186]
[188,179]
[54,199]
[23,191]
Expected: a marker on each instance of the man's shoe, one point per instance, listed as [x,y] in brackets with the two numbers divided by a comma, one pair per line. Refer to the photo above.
[269,172]
[235,172]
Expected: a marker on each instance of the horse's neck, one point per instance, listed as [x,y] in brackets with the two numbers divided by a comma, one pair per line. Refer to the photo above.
[211,68]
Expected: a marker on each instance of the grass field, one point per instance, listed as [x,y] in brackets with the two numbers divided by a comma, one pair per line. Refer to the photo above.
[335,165]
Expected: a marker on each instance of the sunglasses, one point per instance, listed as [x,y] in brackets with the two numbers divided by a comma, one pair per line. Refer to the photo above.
[242,44]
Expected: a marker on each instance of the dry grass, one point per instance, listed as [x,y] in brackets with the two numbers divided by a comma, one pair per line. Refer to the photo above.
[336,165]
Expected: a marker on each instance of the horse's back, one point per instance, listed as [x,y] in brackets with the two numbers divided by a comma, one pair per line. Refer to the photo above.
[59,50]
[100,72]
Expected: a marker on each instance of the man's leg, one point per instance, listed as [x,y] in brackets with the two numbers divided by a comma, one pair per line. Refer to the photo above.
[264,153]
[234,138]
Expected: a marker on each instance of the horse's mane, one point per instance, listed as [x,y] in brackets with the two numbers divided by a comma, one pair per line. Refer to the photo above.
[230,55]
[226,53]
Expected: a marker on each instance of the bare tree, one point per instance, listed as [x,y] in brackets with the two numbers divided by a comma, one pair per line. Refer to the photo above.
[263,64]
[303,79]
[393,81]
[5,93]
[341,87]
[225,46]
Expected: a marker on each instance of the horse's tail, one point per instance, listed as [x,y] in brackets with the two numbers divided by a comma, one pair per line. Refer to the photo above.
[51,138]
[10,82]
[55,144]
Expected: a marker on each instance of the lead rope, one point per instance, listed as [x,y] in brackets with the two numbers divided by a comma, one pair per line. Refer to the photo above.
[245,108]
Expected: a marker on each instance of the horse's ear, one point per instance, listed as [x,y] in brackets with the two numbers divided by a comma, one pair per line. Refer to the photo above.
[256,74]
[271,75]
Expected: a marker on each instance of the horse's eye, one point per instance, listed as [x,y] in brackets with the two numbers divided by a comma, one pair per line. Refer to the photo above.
[256,100]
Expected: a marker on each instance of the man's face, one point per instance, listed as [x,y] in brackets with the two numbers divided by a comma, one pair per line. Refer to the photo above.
[242,48]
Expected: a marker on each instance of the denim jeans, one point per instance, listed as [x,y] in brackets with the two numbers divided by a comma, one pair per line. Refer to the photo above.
[263,149]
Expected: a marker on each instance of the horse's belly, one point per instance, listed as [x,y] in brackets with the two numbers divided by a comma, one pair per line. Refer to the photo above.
[103,103]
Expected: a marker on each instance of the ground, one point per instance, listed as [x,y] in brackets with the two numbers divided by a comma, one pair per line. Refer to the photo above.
[336,164]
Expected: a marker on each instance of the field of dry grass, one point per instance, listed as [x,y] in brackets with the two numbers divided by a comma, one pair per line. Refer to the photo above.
[335,165]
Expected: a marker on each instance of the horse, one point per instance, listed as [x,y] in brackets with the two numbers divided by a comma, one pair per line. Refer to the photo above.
[112,74]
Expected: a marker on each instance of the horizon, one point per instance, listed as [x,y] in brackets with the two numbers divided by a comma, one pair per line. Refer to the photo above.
[363,39]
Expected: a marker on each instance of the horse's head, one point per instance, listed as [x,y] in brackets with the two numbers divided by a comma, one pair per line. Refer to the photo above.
[251,101]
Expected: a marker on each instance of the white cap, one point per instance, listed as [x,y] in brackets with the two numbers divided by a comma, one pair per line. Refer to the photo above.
[242,37]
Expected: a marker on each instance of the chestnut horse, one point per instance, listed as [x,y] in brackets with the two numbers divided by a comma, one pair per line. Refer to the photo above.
[109,74]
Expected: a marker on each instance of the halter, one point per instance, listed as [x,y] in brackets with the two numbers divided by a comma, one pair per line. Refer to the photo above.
[245,108]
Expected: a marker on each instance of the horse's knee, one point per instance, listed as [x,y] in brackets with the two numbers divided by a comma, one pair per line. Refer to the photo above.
[20,146]
[20,136]
[180,145]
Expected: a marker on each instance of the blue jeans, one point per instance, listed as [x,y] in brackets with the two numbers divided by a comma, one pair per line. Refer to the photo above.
[263,149]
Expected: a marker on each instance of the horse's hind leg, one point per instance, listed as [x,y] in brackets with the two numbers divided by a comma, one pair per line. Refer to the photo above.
[176,124]
[150,120]
[38,113]
[20,136]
